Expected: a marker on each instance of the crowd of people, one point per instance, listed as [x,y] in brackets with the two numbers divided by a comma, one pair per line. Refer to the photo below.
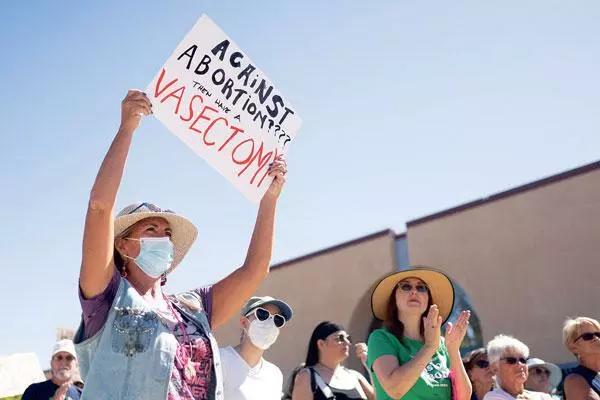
[137,342]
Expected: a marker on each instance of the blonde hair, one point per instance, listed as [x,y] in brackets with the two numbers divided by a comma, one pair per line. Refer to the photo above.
[572,329]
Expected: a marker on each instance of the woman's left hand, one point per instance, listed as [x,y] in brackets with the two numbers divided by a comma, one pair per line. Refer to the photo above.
[456,333]
[361,352]
[278,170]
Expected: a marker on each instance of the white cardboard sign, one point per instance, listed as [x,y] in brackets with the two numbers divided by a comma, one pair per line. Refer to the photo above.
[214,98]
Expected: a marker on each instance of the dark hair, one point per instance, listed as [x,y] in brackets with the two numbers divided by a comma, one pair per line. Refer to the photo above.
[472,357]
[321,332]
[393,324]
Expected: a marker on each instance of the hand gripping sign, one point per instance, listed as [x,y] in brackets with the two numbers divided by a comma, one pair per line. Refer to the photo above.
[214,98]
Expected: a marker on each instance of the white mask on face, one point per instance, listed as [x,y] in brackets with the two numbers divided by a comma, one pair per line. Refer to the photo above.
[156,255]
[263,334]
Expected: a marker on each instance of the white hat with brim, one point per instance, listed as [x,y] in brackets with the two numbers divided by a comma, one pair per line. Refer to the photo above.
[439,284]
[183,231]
[555,371]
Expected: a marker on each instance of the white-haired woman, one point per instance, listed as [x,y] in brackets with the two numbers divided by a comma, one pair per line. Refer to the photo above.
[581,336]
[134,341]
[508,358]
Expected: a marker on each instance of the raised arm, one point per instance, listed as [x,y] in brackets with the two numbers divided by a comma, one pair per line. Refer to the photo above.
[98,245]
[230,293]
[455,335]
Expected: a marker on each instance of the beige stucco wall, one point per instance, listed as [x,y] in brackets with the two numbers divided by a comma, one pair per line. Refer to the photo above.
[331,286]
[527,261]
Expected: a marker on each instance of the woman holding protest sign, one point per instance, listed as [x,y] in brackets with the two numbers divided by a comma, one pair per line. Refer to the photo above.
[409,357]
[134,341]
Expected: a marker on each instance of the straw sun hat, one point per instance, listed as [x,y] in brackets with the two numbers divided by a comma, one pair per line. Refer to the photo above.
[439,284]
[183,231]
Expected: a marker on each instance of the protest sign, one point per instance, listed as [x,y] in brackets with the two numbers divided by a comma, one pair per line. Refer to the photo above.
[17,372]
[215,99]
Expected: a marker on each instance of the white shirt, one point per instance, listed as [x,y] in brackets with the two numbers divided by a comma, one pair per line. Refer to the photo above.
[241,382]
[499,394]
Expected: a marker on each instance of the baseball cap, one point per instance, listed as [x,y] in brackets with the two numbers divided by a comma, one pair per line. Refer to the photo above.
[65,345]
[256,301]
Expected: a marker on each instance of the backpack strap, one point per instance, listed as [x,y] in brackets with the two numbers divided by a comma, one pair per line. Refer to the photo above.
[320,383]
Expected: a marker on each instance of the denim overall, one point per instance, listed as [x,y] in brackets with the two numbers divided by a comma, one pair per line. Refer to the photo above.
[132,356]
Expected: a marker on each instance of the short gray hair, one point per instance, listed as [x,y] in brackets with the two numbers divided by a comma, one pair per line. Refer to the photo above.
[499,344]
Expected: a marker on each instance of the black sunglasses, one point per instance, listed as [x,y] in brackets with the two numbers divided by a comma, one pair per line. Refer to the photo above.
[151,207]
[407,287]
[540,371]
[60,357]
[588,336]
[343,338]
[514,360]
[482,363]
[262,315]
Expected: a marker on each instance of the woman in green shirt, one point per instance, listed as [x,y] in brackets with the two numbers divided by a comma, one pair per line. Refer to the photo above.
[409,358]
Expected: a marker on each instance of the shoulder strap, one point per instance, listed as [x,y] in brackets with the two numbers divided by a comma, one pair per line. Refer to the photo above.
[313,382]
[325,389]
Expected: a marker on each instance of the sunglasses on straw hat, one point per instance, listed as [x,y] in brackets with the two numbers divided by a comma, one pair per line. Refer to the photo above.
[151,208]
[184,232]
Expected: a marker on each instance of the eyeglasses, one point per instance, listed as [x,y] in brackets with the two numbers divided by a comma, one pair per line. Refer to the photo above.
[588,336]
[514,360]
[262,315]
[343,338]
[407,287]
[540,371]
[60,357]
[482,363]
[151,207]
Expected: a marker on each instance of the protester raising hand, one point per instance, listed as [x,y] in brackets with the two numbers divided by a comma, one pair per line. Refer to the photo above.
[361,352]
[408,356]
[432,325]
[61,392]
[456,333]
[133,106]
[126,262]
[277,170]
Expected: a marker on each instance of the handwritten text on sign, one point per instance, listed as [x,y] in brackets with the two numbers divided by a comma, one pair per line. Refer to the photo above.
[211,96]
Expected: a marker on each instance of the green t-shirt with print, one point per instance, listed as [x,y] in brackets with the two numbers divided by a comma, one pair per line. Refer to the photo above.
[434,382]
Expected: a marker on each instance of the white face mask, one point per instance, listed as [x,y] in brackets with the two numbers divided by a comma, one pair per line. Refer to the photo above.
[156,255]
[263,334]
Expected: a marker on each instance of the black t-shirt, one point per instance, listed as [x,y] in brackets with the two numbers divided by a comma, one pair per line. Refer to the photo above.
[45,391]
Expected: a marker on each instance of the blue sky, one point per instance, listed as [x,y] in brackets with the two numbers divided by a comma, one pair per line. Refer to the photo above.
[408,108]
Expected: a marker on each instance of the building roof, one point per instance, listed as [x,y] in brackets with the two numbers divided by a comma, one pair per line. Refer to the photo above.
[336,247]
[511,192]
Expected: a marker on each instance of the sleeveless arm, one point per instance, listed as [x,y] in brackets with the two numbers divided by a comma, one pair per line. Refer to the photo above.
[98,234]
[576,387]
[302,386]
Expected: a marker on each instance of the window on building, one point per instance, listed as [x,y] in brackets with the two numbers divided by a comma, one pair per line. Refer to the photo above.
[473,338]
